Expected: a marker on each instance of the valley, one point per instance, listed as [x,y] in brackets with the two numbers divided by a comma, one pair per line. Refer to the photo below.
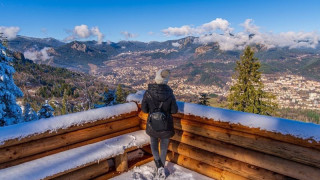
[292,75]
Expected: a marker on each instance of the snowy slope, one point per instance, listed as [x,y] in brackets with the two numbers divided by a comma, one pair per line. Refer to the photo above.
[63,122]
[60,162]
[174,172]
[308,131]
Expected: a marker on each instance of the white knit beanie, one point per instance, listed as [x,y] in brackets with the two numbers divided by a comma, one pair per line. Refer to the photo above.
[162,76]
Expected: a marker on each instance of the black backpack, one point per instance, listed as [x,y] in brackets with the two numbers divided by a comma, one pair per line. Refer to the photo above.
[157,120]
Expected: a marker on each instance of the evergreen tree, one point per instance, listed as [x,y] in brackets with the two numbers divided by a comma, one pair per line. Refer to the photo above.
[64,109]
[46,111]
[120,95]
[10,111]
[247,93]
[29,113]
[107,98]
[204,99]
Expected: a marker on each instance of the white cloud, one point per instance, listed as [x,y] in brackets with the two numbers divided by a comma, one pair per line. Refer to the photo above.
[250,27]
[186,30]
[83,32]
[218,23]
[128,35]
[179,31]
[35,55]
[95,31]
[175,44]
[9,32]
[250,35]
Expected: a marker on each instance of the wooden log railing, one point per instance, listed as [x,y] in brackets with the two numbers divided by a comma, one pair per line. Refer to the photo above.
[239,150]
[103,124]
[216,148]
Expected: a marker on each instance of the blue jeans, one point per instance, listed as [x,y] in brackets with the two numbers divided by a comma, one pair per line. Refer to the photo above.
[154,144]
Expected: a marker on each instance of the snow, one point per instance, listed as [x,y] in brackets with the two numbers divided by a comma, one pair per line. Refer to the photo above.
[10,111]
[137,97]
[46,111]
[307,131]
[147,172]
[66,160]
[26,129]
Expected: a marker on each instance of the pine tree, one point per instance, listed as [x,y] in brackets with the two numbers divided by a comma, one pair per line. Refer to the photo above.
[247,93]
[64,109]
[29,113]
[120,95]
[10,111]
[204,99]
[107,98]
[46,111]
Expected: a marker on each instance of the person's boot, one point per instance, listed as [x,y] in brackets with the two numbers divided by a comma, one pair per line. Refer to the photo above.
[160,169]
[161,173]
[158,163]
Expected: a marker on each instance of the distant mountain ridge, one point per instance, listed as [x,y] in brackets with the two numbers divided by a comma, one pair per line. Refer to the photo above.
[77,55]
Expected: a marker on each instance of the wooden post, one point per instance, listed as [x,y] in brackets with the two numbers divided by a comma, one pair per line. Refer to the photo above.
[121,162]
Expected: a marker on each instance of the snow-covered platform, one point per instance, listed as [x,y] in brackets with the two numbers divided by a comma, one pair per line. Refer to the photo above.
[173,172]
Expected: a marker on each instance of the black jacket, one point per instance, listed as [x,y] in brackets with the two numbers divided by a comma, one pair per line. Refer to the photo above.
[160,93]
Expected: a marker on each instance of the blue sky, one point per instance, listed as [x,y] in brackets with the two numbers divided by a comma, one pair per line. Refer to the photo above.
[58,18]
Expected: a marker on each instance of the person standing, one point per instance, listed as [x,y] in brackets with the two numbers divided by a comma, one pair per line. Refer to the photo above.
[159,101]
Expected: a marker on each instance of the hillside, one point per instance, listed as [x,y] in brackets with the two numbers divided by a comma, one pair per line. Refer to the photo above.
[40,82]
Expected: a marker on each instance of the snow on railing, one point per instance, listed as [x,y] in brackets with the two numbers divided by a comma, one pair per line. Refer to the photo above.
[53,124]
[303,130]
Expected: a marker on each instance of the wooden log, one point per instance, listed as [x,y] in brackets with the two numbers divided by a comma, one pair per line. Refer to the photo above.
[90,163]
[269,162]
[218,161]
[121,162]
[289,151]
[201,167]
[237,127]
[65,148]
[12,142]
[89,172]
[54,142]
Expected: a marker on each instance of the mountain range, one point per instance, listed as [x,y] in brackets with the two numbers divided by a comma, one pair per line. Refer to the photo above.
[78,55]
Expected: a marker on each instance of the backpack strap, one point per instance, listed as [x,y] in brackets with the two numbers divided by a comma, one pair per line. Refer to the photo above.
[161,102]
